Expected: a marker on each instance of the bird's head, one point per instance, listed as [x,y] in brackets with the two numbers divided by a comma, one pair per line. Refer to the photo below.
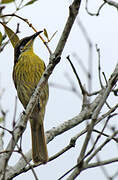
[23,45]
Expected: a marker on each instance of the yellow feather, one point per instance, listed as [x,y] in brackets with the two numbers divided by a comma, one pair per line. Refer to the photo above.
[27,72]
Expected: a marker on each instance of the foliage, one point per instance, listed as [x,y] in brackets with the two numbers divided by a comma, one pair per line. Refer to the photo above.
[96,113]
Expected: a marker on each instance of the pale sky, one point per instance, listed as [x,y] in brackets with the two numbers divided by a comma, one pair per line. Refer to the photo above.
[62,104]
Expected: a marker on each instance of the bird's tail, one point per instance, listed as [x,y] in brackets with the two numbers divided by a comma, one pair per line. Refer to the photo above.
[39,146]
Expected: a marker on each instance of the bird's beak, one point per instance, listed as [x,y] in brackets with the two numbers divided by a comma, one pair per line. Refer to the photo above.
[35,35]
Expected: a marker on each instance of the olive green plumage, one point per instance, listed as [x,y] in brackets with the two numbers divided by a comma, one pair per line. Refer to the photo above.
[28,69]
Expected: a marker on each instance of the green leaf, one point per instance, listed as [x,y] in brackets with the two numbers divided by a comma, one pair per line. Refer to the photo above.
[46,34]
[12,36]
[1,119]
[0,38]
[6,1]
[30,2]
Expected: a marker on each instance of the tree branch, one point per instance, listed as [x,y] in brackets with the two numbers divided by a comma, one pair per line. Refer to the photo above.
[112,3]
[112,81]
[54,60]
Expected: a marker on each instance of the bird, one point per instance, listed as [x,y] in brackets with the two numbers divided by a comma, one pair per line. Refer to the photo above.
[27,71]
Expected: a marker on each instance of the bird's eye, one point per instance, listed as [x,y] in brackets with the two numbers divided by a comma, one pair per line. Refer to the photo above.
[21,48]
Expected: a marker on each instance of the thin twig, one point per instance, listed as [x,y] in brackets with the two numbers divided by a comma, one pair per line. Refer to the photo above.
[104,134]
[54,133]
[99,66]
[30,25]
[6,129]
[98,11]
[101,146]
[54,60]
[98,137]
[112,81]
[102,163]
[32,169]
[112,3]
[105,78]
[14,115]
[85,164]
[76,75]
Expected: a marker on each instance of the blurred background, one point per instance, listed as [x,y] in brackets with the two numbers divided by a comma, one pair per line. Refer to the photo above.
[64,103]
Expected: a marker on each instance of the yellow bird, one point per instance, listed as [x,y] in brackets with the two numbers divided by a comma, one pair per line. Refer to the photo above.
[27,71]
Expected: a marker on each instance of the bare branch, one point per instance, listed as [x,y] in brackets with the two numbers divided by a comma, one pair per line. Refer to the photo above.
[112,81]
[98,11]
[101,163]
[30,25]
[32,169]
[77,77]
[85,164]
[101,146]
[20,166]
[112,3]
[54,60]
[99,66]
